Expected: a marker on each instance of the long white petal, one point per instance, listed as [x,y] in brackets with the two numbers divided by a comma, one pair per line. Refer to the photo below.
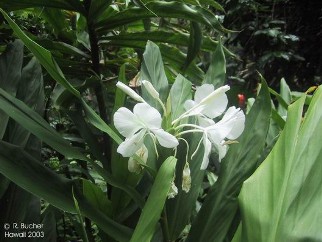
[218,132]
[126,122]
[203,91]
[236,120]
[165,139]
[212,105]
[148,115]
[207,149]
[126,89]
[216,106]
[131,145]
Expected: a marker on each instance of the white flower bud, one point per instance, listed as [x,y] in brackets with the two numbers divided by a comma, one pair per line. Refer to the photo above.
[127,90]
[151,90]
[186,178]
[133,165]
[173,191]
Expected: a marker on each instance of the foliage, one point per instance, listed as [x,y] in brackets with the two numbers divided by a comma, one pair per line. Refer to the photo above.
[177,173]
[280,201]
[277,38]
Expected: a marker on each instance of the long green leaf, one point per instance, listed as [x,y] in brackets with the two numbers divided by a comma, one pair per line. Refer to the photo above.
[282,200]
[152,70]
[195,41]
[27,85]
[133,39]
[216,72]
[180,92]
[73,5]
[151,212]
[218,211]
[171,9]
[285,93]
[10,74]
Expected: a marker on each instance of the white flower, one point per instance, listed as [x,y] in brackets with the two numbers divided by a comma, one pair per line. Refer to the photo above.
[229,127]
[134,126]
[207,101]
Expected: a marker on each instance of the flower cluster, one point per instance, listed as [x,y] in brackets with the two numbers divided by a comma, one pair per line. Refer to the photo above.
[208,105]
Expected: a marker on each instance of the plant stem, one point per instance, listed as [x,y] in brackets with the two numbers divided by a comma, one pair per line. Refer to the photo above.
[165,226]
[98,90]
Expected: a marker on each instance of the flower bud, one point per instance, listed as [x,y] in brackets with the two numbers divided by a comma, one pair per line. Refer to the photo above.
[150,89]
[127,90]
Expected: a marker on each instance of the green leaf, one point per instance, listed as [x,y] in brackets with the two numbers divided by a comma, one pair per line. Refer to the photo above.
[81,226]
[138,39]
[152,210]
[218,211]
[97,197]
[152,70]
[216,72]
[10,74]
[281,200]
[44,56]
[96,121]
[285,93]
[171,9]
[179,93]
[31,92]
[96,9]
[33,122]
[195,41]
[279,98]
[214,4]
[73,5]
[27,85]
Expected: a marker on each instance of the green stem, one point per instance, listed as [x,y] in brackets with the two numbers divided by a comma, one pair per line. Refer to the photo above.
[165,226]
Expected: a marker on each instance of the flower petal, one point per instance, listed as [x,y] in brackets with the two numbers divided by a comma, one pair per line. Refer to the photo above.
[189,104]
[126,122]
[165,139]
[205,122]
[221,150]
[207,150]
[203,91]
[216,102]
[218,132]
[131,145]
[148,115]
[236,119]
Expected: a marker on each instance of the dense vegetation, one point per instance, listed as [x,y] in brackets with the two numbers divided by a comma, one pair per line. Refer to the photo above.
[161,121]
